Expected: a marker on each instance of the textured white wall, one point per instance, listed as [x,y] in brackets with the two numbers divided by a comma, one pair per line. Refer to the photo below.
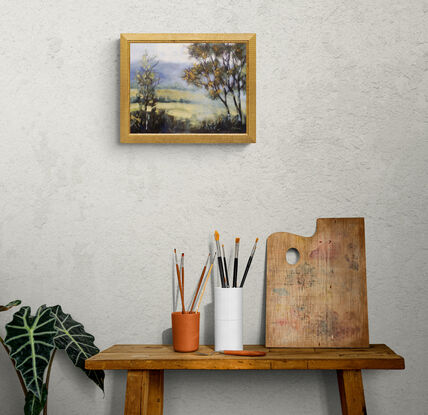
[90,224]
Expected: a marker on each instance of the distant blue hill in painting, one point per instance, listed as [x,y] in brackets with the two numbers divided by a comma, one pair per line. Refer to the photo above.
[170,74]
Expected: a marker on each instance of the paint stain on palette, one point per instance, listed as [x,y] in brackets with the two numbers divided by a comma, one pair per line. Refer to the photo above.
[303,276]
[324,250]
[328,324]
[352,261]
[332,325]
[281,291]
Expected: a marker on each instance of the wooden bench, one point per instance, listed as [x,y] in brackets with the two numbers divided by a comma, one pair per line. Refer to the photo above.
[146,364]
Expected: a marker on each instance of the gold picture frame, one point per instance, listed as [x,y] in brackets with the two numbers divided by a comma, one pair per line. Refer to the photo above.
[240,117]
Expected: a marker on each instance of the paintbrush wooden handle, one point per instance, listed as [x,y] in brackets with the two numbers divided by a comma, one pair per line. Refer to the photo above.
[235,273]
[197,289]
[183,309]
[220,267]
[225,271]
[244,353]
[246,271]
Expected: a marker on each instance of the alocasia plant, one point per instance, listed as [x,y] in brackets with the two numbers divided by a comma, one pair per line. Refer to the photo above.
[79,345]
[10,305]
[31,342]
[34,405]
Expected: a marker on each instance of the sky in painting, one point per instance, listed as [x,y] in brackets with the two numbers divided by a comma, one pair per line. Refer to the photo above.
[172,59]
[167,52]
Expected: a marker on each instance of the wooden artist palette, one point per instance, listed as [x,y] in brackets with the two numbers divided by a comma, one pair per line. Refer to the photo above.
[320,301]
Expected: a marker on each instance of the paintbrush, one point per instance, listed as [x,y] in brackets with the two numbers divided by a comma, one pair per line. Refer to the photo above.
[235,264]
[220,262]
[205,283]
[182,272]
[183,310]
[225,267]
[200,282]
[249,263]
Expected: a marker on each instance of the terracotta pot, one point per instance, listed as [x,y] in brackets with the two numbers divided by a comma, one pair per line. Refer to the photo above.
[185,331]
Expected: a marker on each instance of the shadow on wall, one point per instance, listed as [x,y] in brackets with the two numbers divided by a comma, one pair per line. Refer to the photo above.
[117,378]
[208,324]
[331,390]
[238,392]
[167,336]
[263,319]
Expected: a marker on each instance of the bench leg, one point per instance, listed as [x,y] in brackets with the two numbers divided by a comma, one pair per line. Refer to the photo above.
[351,392]
[144,392]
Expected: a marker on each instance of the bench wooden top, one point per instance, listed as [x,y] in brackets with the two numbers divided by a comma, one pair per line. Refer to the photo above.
[159,357]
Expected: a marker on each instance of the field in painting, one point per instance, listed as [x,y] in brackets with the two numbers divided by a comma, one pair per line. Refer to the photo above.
[191,105]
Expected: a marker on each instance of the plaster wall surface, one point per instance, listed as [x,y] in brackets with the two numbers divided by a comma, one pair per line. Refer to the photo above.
[91,224]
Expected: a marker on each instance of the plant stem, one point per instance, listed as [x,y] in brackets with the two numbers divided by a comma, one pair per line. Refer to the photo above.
[48,376]
[21,381]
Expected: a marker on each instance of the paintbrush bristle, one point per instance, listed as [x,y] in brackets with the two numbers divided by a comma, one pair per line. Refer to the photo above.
[216,235]
[237,240]
[175,251]
[257,239]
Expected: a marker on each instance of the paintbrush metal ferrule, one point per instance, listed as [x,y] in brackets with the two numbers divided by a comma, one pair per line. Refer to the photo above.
[208,260]
[254,247]
[183,309]
[182,272]
[218,246]
[220,262]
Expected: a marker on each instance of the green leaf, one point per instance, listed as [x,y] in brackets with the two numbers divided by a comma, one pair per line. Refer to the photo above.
[10,305]
[34,405]
[31,342]
[79,345]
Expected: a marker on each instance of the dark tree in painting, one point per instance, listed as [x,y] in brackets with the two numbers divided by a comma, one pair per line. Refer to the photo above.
[220,69]
[147,80]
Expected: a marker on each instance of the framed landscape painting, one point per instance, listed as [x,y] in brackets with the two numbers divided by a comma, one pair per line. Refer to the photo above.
[188,88]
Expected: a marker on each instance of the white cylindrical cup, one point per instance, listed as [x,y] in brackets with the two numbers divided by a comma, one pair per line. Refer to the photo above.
[228,319]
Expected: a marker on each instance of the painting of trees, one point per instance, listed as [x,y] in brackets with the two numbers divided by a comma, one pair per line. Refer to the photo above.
[147,79]
[220,69]
[189,87]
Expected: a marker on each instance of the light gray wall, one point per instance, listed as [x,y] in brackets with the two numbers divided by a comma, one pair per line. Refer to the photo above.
[91,224]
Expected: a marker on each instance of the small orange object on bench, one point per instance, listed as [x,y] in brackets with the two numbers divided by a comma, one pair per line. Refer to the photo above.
[244,353]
